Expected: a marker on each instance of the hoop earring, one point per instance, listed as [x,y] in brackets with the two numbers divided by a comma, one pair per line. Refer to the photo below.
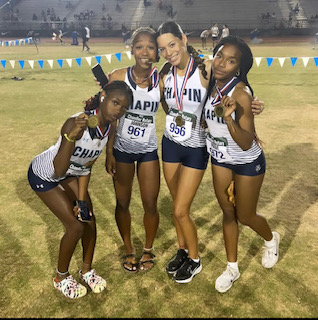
[102,99]
[237,73]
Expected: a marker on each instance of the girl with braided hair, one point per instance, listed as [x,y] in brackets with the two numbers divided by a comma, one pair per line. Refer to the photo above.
[60,176]
[238,161]
[186,79]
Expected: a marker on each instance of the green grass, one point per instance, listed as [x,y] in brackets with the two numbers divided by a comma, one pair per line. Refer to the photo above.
[33,111]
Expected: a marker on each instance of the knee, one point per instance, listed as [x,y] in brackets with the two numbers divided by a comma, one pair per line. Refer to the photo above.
[122,205]
[229,215]
[75,230]
[180,214]
[150,206]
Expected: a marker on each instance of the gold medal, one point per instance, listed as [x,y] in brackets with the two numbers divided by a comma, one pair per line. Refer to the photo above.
[92,121]
[179,121]
[219,110]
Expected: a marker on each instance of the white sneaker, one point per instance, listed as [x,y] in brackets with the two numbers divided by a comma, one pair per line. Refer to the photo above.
[70,288]
[95,282]
[225,281]
[270,255]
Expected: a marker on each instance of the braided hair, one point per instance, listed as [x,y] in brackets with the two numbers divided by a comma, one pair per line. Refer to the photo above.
[175,29]
[94,102]
[246,62]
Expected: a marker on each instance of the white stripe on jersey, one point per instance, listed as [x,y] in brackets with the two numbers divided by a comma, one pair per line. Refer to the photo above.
[193,99]
[85,151]
[146,103]
[218,128]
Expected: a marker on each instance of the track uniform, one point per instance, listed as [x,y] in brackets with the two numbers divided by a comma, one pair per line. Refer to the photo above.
[186,143]
[136,138]
[41,172]
[224,150]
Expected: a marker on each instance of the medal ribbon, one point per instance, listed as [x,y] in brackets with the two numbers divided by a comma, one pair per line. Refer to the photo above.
[98,132]
[153,75]
[179,97]
[224,90]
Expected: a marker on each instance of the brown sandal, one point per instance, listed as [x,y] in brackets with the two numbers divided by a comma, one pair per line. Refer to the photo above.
[133,266]
[142,264]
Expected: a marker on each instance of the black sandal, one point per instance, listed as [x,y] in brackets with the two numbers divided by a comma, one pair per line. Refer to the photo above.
[134,266]
[151,261]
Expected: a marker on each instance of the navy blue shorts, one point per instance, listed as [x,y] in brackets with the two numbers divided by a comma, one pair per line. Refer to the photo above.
[255,168]
[39,185]
[196,158]
[132,157]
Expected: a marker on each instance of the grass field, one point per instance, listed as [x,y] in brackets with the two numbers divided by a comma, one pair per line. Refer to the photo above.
[33,111]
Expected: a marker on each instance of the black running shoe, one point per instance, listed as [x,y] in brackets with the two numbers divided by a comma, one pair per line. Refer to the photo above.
[188,270]
[175,264]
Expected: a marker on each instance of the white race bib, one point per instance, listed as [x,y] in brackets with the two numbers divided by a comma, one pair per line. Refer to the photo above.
[137,127]
[180,133]
[217,148]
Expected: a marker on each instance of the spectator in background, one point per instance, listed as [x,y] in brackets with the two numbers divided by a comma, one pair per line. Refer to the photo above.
[215,34]
[85,37]
[225,31]
[75,34]
[203,36]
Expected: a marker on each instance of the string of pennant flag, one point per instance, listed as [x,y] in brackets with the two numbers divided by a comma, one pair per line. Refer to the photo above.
[98,58]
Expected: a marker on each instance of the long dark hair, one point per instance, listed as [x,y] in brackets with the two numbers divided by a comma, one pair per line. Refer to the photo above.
[93,102]
[176,30]
[246,62]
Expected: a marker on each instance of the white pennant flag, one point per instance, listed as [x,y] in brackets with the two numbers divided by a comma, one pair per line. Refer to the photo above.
[12,62]
[31,63]
[50,62]
[89,60]
[281,61]
[108,57]
[305,61]
[69,62]
[128,54]
[258,60]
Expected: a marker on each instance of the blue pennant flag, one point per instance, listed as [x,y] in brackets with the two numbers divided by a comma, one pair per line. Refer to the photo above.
[98,58]
[3,62]
[118,56]
[201,55]
[79,61]
[316,61]
[41,63]
[293,61]
[21,63]
[269,61]
[60,62]
[16,42]
[7,43]
[26,40]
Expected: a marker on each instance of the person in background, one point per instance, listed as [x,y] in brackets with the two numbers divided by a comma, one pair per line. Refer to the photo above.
[60,176]
[225,31]
[203,36]
[85,37]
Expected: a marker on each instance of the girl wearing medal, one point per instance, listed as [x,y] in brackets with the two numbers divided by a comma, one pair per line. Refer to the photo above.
[238,161]
[184,155]
[134,149]
[60,177]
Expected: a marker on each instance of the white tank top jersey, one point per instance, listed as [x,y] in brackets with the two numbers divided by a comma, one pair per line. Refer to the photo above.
[193,99]
[220,143]
[136,130]
[86,151]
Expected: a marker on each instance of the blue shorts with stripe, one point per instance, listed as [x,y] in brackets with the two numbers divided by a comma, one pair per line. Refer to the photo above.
[126,157]
[255,168]
[40,185]
[196,158]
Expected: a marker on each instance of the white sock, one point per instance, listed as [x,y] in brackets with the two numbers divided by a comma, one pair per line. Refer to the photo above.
[270,243]
[233,265]
[196,260]
[186,250]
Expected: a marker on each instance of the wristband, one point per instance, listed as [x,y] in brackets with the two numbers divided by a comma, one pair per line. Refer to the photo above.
[67,138]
